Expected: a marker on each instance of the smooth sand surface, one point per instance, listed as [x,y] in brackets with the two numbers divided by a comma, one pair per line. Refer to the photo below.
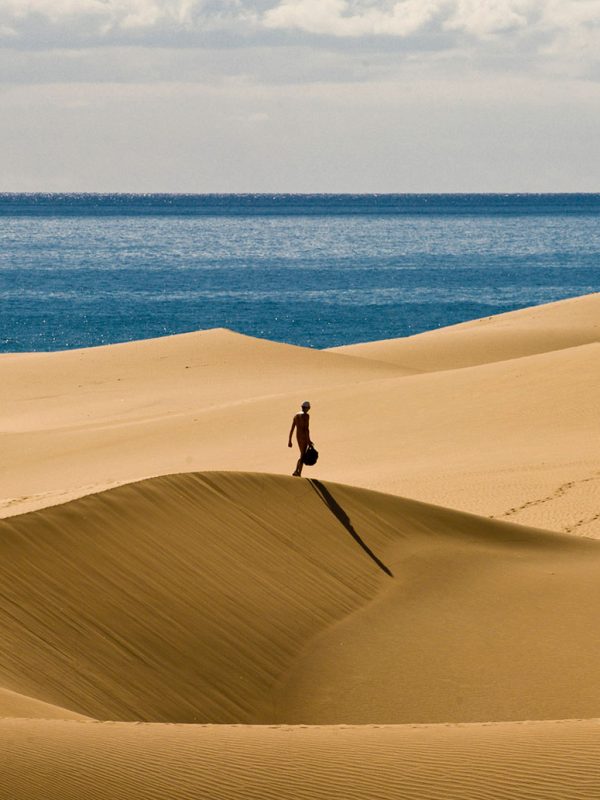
[515,439]
[241,633]
[554,326]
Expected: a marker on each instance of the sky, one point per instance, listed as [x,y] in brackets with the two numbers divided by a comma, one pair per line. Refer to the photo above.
[299,95]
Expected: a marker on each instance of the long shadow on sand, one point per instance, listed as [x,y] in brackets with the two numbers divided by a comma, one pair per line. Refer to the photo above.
[341,515]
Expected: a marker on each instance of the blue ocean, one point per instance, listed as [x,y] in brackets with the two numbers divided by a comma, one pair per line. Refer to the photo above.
[316,270]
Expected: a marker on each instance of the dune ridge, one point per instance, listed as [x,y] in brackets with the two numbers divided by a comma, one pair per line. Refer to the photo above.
[525,332]
[495,439]
[137,380]
[247,598]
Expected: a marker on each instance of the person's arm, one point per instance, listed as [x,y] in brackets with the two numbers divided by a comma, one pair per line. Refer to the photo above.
[291,432]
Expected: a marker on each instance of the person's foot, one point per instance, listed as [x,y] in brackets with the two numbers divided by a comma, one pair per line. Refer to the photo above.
[296,474]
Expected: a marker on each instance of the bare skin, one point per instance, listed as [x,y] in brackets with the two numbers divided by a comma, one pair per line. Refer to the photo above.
[300,424]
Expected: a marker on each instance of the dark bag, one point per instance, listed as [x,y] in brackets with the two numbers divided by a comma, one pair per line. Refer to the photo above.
[310,456]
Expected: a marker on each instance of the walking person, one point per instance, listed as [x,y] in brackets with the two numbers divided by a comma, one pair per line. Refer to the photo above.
[300,423]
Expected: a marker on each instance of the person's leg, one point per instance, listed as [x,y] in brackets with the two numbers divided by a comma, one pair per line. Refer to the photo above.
[302,444]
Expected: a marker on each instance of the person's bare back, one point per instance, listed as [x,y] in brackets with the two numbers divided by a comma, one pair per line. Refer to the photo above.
[301,424]
[302,421]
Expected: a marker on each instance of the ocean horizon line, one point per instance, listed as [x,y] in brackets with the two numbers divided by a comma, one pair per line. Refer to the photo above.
[123,193]
[85,204]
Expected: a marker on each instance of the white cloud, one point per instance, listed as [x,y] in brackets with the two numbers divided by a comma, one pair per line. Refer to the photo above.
[568,21]
[52,11]
[574,25]
[142,12]
[546,35]
[101,19]
[353,18]
[485,17]
[571,13]
[340,18]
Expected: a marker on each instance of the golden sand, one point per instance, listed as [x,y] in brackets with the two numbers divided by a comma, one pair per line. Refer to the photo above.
[181,618]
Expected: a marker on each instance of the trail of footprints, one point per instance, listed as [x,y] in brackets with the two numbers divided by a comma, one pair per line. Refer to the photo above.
[558,493]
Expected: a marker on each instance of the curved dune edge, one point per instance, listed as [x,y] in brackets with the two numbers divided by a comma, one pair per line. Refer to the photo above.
[16,705]
[58,760]
[253,598]
[516,439]
[525,332]
[98,386]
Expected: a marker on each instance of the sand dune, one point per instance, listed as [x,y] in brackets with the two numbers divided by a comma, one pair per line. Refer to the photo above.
[541,329]
[226,597]
[56,760]
[17,705]
[79,421]
[206,598]
[141,380]
[318,639]
[515,439]
[177,599]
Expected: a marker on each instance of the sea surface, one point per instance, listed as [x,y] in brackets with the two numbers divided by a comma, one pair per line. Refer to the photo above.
[317,270]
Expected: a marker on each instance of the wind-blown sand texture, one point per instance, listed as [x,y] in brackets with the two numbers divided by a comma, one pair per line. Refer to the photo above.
[178,620]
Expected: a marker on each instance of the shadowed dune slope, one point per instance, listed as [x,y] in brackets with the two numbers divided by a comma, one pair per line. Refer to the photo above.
[56,760]
[227,597]
[182,598]
[553,326]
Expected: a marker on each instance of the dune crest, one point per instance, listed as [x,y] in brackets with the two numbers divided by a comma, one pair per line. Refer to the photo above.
[228,597]
[513,439]
[135,381]
[526,332]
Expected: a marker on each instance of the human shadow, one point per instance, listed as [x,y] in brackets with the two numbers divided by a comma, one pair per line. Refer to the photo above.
[341,515]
